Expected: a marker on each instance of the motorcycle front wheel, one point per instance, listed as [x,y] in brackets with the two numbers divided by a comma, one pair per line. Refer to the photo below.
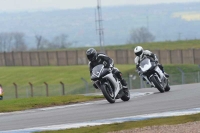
[108,93]
[157,84]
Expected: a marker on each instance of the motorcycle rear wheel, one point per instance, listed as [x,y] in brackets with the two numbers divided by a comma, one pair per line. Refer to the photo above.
[108,93]
[157,84]
[126,95]
[167,88]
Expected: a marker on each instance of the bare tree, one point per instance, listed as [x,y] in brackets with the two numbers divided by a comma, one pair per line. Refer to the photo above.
[61,41]
[19,43]
[141,35]
[38,41]
[5,41]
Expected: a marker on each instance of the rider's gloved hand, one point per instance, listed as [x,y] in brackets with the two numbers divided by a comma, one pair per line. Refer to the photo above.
[110,68]
[105,64]
[139,73]
[156,60]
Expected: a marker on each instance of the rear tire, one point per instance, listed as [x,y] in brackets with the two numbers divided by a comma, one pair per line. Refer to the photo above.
[108,93]
[126,95]
[157,84]
[167,88]
[1,97]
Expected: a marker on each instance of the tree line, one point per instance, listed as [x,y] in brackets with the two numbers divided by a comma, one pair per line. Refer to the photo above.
[15,41]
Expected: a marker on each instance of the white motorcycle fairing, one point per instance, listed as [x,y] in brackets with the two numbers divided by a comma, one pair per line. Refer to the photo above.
[115,83]
[109,84]
[145,65]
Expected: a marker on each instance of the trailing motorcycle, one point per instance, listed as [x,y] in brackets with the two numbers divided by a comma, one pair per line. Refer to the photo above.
[150,71]
[109,84]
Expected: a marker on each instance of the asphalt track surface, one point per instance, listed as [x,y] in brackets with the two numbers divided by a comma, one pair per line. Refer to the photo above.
[178,98]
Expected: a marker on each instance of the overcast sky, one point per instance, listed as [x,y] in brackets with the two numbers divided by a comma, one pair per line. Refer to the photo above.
[24,5]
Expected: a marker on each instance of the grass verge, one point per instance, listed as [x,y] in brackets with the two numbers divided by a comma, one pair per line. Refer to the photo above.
[167,45]
[38,102]
[131,125]
[71,77]
[67,74]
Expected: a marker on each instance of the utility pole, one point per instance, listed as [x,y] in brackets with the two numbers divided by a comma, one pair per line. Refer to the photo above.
[99,25]
[148,22]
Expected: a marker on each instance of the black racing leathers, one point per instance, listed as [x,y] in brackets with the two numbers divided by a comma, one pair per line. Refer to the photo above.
[101,59]
[108,63]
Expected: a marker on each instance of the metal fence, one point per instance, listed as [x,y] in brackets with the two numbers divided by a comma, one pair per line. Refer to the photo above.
[78,57]
[29,90]
[175,79]
[134,82]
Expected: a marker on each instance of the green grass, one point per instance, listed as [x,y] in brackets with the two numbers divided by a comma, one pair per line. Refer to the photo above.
[167,45]
[66,74]
[69,75]
[49,74]
[39,75]
[38,102]
[131,125]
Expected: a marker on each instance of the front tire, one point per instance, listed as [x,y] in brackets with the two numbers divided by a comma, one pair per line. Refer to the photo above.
[108,93]
[1,97]
[157,84]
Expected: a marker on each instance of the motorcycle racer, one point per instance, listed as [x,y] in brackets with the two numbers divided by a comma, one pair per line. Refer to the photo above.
[141,53]
[100,58]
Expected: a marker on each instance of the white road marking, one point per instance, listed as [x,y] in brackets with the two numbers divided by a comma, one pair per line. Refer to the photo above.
[108,121]
[133,95]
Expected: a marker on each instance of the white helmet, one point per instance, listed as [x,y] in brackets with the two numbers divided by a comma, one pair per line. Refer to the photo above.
[138,51]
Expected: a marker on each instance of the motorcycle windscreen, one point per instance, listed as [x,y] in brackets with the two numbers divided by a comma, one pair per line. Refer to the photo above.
[145,65]
[96,71]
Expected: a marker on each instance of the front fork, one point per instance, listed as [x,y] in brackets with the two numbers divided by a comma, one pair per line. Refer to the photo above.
[98,84]
[148,81]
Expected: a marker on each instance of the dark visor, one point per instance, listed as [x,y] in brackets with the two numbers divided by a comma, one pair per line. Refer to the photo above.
[138,53]
[90,57]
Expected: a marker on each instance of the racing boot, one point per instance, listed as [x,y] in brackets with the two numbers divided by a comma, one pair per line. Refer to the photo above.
[124,84]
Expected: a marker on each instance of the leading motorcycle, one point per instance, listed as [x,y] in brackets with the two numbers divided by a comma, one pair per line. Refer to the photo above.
[150,71]
[109,84]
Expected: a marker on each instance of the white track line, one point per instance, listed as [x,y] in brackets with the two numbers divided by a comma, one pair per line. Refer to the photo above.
[108,121]
[133,95]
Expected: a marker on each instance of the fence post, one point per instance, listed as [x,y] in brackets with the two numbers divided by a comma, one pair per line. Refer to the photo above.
[22,58]
[4,54]
[47,89]
[57,58]
[31,89]
[16,93]
[86,85]
[63,88]
[182,75]
[13,59]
